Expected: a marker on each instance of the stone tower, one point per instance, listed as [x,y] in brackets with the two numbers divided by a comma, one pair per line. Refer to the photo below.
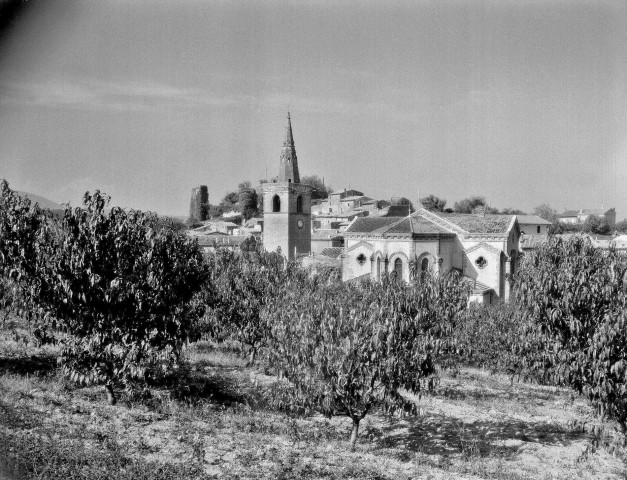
[287,205]
[199,204]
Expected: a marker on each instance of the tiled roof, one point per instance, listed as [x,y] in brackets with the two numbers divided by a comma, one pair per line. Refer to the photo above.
[479,223]
[569,213]
[478,288]
[370,224]
[532,219]
[332,252]
[346,190]
[350,199]
[352,213]
[397,210]
[418,225]
[395,225]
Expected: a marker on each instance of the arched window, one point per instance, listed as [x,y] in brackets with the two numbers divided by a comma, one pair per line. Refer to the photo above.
[276,204]
[398,268]
[299,204]
[378,268]
[424,265]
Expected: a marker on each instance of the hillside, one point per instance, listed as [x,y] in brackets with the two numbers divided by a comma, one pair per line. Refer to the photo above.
[42,201]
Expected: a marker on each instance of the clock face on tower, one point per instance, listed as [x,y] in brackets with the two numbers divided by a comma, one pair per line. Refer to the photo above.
[300,224]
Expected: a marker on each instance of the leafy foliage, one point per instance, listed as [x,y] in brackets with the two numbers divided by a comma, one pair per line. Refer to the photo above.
[576,297]
[247,202]
[470,204]
[596,224]
[488,336]
[319,190]
[400,201]
[511,211]
[433,203]
[545,211]
[241,286]
[21,234]
[348,348]
[121,290]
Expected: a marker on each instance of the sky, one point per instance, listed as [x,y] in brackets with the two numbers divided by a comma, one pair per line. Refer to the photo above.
[523,102]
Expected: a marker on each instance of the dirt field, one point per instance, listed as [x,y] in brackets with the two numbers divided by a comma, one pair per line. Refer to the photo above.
[214,424]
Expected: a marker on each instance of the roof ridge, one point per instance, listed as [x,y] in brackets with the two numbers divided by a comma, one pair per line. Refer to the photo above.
[389,225]
[433,218]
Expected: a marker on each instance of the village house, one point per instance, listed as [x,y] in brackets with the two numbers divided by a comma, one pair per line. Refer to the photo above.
[580,216]
[533,225]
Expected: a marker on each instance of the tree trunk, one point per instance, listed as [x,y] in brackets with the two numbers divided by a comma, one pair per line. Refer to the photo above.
[354,433]
[111,400]
[252,356]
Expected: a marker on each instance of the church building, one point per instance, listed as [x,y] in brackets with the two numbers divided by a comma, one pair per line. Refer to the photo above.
[287,205]
[482,248]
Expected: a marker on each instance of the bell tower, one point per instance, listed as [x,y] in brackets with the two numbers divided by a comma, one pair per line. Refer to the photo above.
[287,205]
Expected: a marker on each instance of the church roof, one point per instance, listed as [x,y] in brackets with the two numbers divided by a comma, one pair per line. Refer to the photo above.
[428,223]
[418,225]
[415,224]
[370,224]
[480,223]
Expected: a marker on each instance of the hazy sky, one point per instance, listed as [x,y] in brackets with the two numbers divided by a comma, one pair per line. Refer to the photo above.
[522,102]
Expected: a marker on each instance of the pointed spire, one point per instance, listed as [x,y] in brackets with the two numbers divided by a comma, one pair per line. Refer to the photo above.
[289,138]
[288,170]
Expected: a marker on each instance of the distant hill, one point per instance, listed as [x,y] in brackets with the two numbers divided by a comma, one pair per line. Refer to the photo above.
[43,202]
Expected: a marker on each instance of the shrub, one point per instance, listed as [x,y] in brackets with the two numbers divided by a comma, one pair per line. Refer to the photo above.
[576,297]
[123,291]
[241,287]
[487,337]
[349,348]
[22,233]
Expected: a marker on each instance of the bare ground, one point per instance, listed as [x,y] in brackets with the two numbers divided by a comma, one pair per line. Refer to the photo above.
[214,419]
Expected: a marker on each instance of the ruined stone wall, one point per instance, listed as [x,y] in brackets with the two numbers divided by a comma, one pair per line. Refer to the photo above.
[199,204]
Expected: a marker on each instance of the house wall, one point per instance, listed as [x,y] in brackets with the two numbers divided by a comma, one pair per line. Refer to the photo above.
[490,274]
[319,244]
[532,228]
[351,268]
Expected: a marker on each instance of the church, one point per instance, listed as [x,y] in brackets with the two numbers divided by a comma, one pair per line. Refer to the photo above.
[483,248]
[287,205]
